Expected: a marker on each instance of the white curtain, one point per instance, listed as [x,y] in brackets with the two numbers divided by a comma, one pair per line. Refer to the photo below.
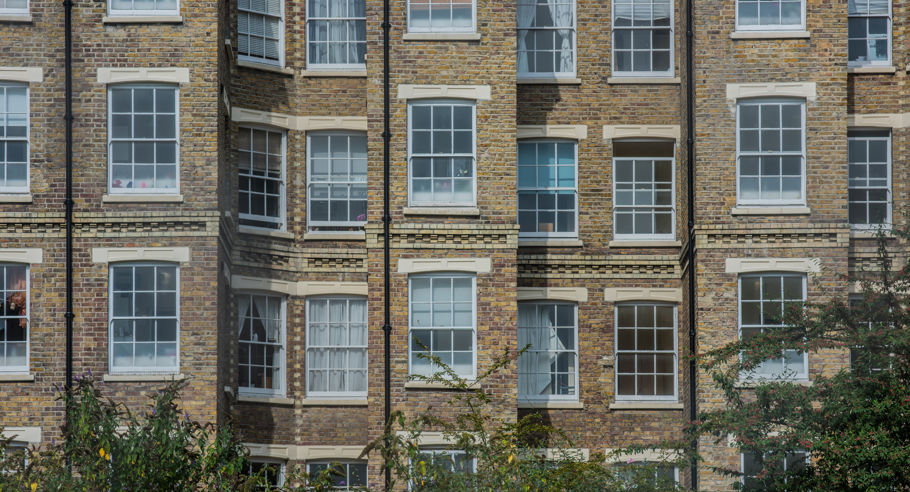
[561,13]
[261,305]
[338,46]
[535,327]
[526,12]
[243,307]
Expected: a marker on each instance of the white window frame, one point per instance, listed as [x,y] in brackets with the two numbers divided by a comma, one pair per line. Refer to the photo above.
[282,467]
[282,35]
[620,465]
[473,156]
[436,451]
[773,27]
[133,12]
[754,376]
[647,237]
[473,375]
[671,67]
[330,395]
[5,369]
[742,464]
[739,154]
[281,220]
[110,140]
[281,388]
[573,29]
[535,189]
[450,29]
[866,17]
[310,65]
[28,136]
[531,350]
[11,11]
[347,468]
[110,317]
[328,225]
[866,134]
[662,398]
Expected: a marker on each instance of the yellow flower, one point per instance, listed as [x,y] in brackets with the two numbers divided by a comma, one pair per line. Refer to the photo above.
[101,452]
[511,457]
[34,486]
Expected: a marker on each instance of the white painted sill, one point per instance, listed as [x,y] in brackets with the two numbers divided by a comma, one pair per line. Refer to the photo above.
[770,34]
[421,385]
[269,400]
[873,69]
[643,80]
[142,378]
[552,405]
[106,198]
[314,402]
[550,243]
[335,236]
[16,18]
[334,73]
[441,36]
[17,377]
[771,211]
[646,405]
[264,232]
[621,243]
[142,19]
[451,211]
[868,234]
[548,81]
[265,67]
[16,198]
[753,383]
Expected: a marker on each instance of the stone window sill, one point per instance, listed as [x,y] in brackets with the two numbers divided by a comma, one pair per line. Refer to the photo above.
[643,244]
[269,400]
[141,198]
[424,385]
[16,198]
[334,73]
[17,377]
[265,232]
[549,81]
[873,69]
[550,243]
[552,405]
[335,236]
[770,34]
[753,383]
[643,80]
[441,36]
[771,211]
[354,402]
[16,18]
[646,405]
[451,211]
[868,234]
[265,67]
[142,378]
[142,19]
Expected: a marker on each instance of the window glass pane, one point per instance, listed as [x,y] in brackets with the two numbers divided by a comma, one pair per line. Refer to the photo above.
[14,153]
[869,178]
[642,35]
[336,345]
[144,318]
[443,307]
[142,131]
[442,135]
[547,367]
[646,351]
[771,152]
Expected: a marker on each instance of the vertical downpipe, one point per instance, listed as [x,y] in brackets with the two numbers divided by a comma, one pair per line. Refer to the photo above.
[68,201]
[386,221]
[690,161]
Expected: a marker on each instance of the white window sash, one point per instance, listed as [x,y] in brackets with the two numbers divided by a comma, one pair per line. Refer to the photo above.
[281,220]
[740,154]
[525,73]
[16,11]
[138,12]
[671,67]
[675,352]
[473,156]
[280,388]
[886,225]
[11,369]
[445,29]
[535,351]
[349,23]
[346,466]
[350,182]
[803,373]
[281,36]
[111,140]
[111,318]
[773,27]
[411,346]
[349,347]
[26,138]
[889,37]
[573,189]
[654,208]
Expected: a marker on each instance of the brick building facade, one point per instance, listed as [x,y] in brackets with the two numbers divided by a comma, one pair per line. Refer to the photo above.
[228,165]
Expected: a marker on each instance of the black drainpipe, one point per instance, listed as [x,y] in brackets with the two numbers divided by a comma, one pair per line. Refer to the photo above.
[386,220]
[68,201]
[690,161]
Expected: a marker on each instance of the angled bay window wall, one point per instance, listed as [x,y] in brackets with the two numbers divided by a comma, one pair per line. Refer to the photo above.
[261,337]
[261,182]
[546,38]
